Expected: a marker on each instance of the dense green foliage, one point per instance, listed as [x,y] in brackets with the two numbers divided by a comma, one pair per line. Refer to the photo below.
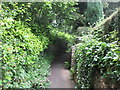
[55,34]
[22,64]
[43,15]
[88,13]
[94,12]
[26,31]
[99,52]
[92,56]
[107,30]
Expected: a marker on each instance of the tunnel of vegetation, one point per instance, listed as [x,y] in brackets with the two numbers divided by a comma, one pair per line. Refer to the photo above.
[34,33]
[27,32]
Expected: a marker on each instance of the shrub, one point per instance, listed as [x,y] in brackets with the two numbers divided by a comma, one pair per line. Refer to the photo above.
[56,34]
[22,64]
[107,30]
[94,56]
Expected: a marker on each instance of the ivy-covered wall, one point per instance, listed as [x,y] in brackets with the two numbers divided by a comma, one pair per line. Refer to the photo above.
[96,61]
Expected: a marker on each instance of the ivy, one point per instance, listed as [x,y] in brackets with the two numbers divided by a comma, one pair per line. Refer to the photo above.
[22,63]
[98,56]
[25,36]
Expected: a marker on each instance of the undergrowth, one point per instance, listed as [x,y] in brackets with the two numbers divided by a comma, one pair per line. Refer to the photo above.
[23,65]
[94,56]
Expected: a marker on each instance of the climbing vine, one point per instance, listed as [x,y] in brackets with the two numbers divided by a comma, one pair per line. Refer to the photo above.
[24,31]
[27,30]
[99,52]
[21,62]
[92,56]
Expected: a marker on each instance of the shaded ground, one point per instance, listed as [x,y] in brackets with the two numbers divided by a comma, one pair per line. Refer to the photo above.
[60,77]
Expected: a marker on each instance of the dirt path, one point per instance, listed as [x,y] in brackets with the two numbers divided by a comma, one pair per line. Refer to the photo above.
[60,77]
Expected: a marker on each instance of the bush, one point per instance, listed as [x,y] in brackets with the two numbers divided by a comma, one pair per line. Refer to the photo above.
[94,56]
[22,64]
[23,30]
[56,34]
[107,30]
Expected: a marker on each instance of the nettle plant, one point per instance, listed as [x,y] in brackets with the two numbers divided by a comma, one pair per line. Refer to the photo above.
[94,56]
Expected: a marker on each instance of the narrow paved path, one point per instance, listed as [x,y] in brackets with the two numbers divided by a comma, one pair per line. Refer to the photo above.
[60,77]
